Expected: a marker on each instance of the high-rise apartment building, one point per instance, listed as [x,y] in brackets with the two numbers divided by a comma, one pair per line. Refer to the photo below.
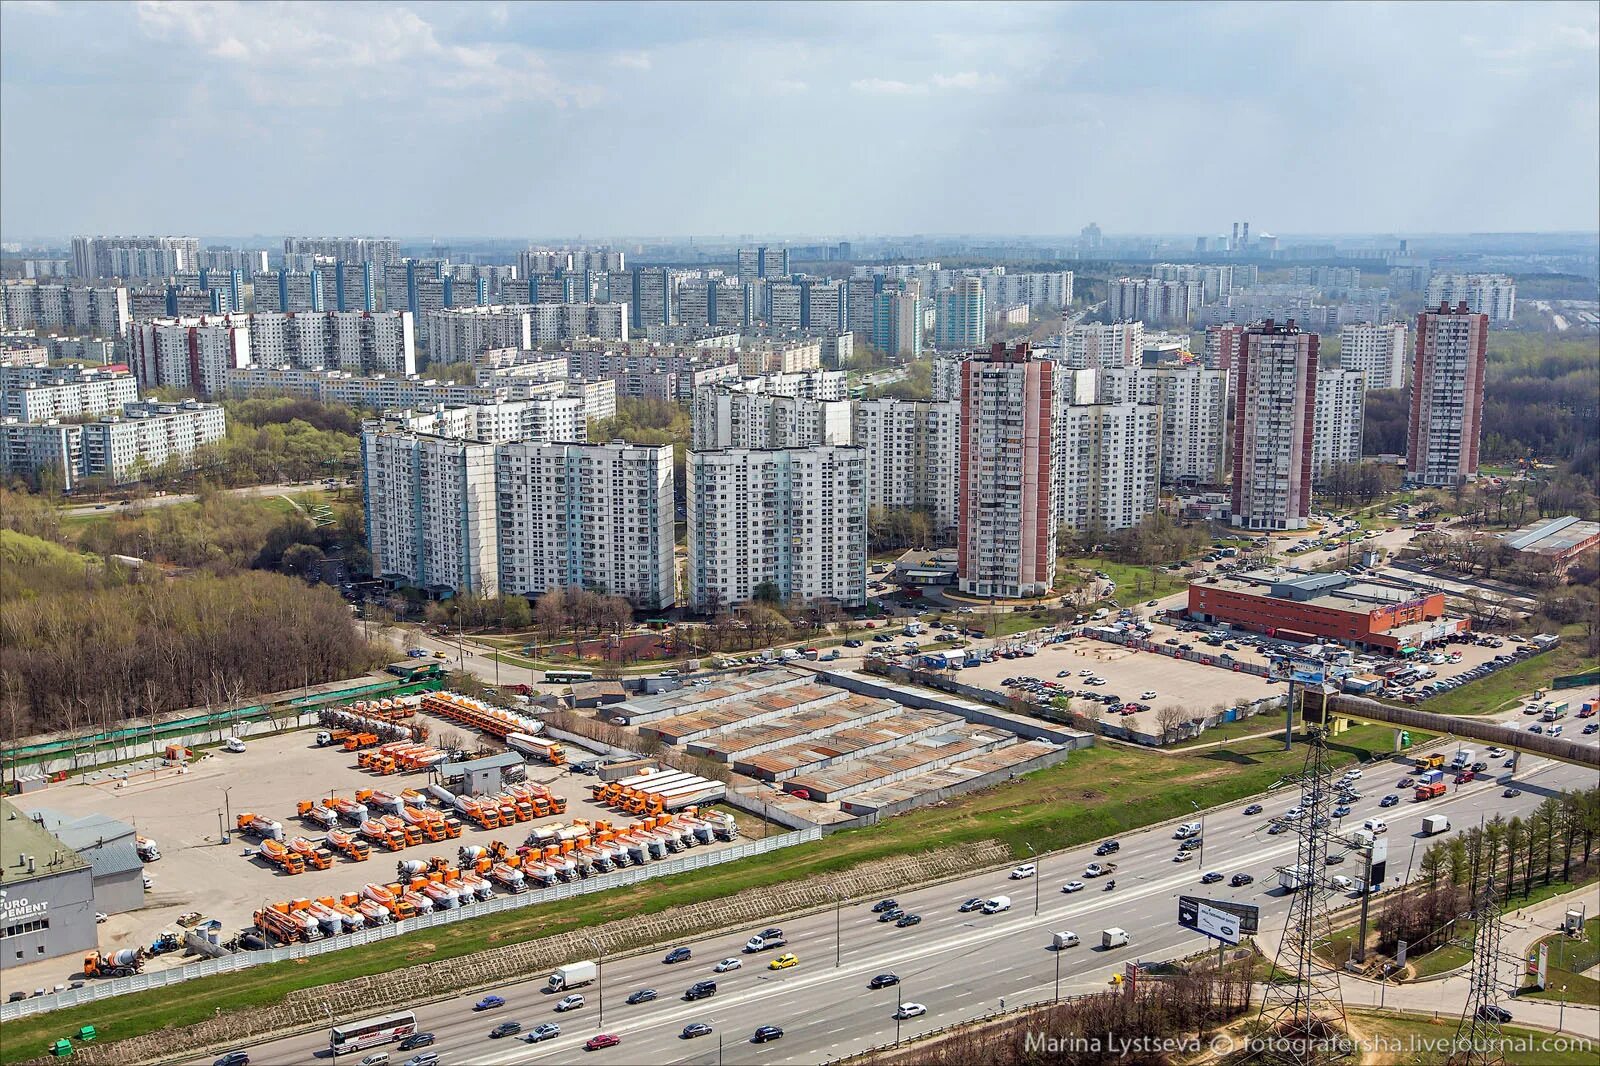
[103,311]
[1341,408]
[589,516]
[1447,377]
[763,261]
[1153,301]
[1095,346]
[716,302]
[188,353]
[379,251]
[791,522]
[810,304]
[134,257]
[380,342]
[459,334]
[1494,295]
[431,511]
[912,449]
[1222,344]
[1194,417]
[737,415]
[117,447]
[1378,351]
[962,315]
[1006,541]
[38,394]
[290,290]
[568,261]
[1216,281]
[1107,461]
[897,323]
[1274,414]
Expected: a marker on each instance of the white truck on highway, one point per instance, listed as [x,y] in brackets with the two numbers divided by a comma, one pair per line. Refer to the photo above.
[997,904]
[1434,824]
[1294,878]
[572,975]
[1113,938]
[1463,759]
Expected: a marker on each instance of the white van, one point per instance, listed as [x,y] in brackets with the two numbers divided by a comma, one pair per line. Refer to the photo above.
[1341,882]
[1375,825]
[996,905]
[1064,940]
[1187,830]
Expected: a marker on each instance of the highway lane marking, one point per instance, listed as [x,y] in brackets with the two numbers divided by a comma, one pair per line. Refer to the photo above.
[1017,922]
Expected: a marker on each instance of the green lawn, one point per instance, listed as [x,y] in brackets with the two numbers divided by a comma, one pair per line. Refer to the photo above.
[1133,582]
[1564,972]
[1080,800]
[1414,1040]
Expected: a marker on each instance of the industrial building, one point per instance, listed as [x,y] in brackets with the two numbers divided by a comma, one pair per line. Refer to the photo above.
[108,845]
[47,903]
[1555,541]
[1303,606]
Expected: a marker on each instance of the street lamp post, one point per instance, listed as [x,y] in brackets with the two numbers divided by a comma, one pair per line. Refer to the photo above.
[1201,858]
[1058,976]
[600,982]
[1561,1018]
[838,907]
[1035,877]
[227,802]
[899,1005]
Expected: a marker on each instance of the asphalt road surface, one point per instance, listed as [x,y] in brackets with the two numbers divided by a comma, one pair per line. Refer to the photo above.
[960,966]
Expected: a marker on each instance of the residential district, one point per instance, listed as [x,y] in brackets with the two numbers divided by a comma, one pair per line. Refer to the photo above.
[1176,684]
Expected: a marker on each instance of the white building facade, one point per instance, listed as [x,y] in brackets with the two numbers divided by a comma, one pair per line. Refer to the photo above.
[912,454]
[1378,351]
[1337,426]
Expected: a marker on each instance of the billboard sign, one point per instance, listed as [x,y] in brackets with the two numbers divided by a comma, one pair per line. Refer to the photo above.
[1218,919]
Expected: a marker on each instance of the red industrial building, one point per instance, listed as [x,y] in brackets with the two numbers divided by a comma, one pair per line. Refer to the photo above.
[1301,606]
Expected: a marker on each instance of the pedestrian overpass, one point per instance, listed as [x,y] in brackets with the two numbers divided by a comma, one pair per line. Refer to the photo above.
[1362,709]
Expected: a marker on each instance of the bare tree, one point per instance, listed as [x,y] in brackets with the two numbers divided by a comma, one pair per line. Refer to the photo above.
[1170,720]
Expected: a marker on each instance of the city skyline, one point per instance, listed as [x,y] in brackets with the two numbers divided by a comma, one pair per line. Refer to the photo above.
[375,118]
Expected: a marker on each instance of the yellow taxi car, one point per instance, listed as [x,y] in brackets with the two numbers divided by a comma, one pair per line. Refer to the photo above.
[783,962]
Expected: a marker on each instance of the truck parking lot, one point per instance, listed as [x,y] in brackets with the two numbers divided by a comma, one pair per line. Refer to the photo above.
[186,810]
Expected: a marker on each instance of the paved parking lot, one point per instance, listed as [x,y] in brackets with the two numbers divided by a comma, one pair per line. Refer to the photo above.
[1129,674]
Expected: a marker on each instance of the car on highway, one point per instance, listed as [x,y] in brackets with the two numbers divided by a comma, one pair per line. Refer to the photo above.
[1240,880]
[1389,801]
[884,905]
[1183,856]
[908,920]
[1512,793]
[1334,858]
[1094,869]
[678,955]
[783,962]
[505,1029]
[727,964]
[883,980]
[427,1058]
[1210,877]
[1497,752]
[1294,812]
[416,1040]
[694,1029]
[1275,828]
[1592,727]
[1494,1012]
[700,990]
[969,905]
[1352,774]
[1342,811]
[1192,844]
[1107,847]
[644,995]
[1254,808]
[1027,869]
[892,916]
[910,1010]
[604,1040]
[569,1002]
[489,1003]
[767,1033]
[1072,886]
[546,1031]
[233,1058]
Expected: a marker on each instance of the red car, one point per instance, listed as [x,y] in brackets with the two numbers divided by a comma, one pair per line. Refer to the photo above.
[595,1043]
[1464,776]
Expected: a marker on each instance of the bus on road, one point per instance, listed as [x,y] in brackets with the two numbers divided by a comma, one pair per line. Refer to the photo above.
[567,677]
[357,1036]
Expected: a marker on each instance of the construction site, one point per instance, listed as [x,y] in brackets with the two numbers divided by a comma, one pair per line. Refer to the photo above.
[392,809]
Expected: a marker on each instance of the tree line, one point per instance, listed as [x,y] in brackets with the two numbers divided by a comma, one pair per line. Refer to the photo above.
[85,642]
[1503,860]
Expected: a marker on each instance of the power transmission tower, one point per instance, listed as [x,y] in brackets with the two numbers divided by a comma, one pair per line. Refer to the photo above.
[1478,1039]
[1302,1011]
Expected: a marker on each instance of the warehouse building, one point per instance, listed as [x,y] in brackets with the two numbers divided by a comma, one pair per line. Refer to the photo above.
[1301,606]
[1556,542]
[47,902]
[108,846]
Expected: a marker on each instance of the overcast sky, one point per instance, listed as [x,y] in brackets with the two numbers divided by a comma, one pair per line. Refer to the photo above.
[727,118]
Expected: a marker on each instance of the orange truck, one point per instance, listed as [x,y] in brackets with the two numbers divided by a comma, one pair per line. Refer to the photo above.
[1431,791]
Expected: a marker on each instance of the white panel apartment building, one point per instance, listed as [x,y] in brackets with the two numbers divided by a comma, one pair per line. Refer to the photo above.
[912,454]
[1107,460]
[63,392]
[461,333]
[1160,303]
[1194,417]
[539,419]
[1336,426]
[795,518]
[733,416]
[1494,295]
[147,435]
[431,515]
[100,310]
[593,516]
[366,342]
[1095,346]
[1377,351]
[188,353]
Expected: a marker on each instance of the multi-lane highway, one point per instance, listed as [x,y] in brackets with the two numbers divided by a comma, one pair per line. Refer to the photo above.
[959,965]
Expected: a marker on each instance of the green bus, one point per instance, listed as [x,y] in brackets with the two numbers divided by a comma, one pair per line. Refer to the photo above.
[567,677]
